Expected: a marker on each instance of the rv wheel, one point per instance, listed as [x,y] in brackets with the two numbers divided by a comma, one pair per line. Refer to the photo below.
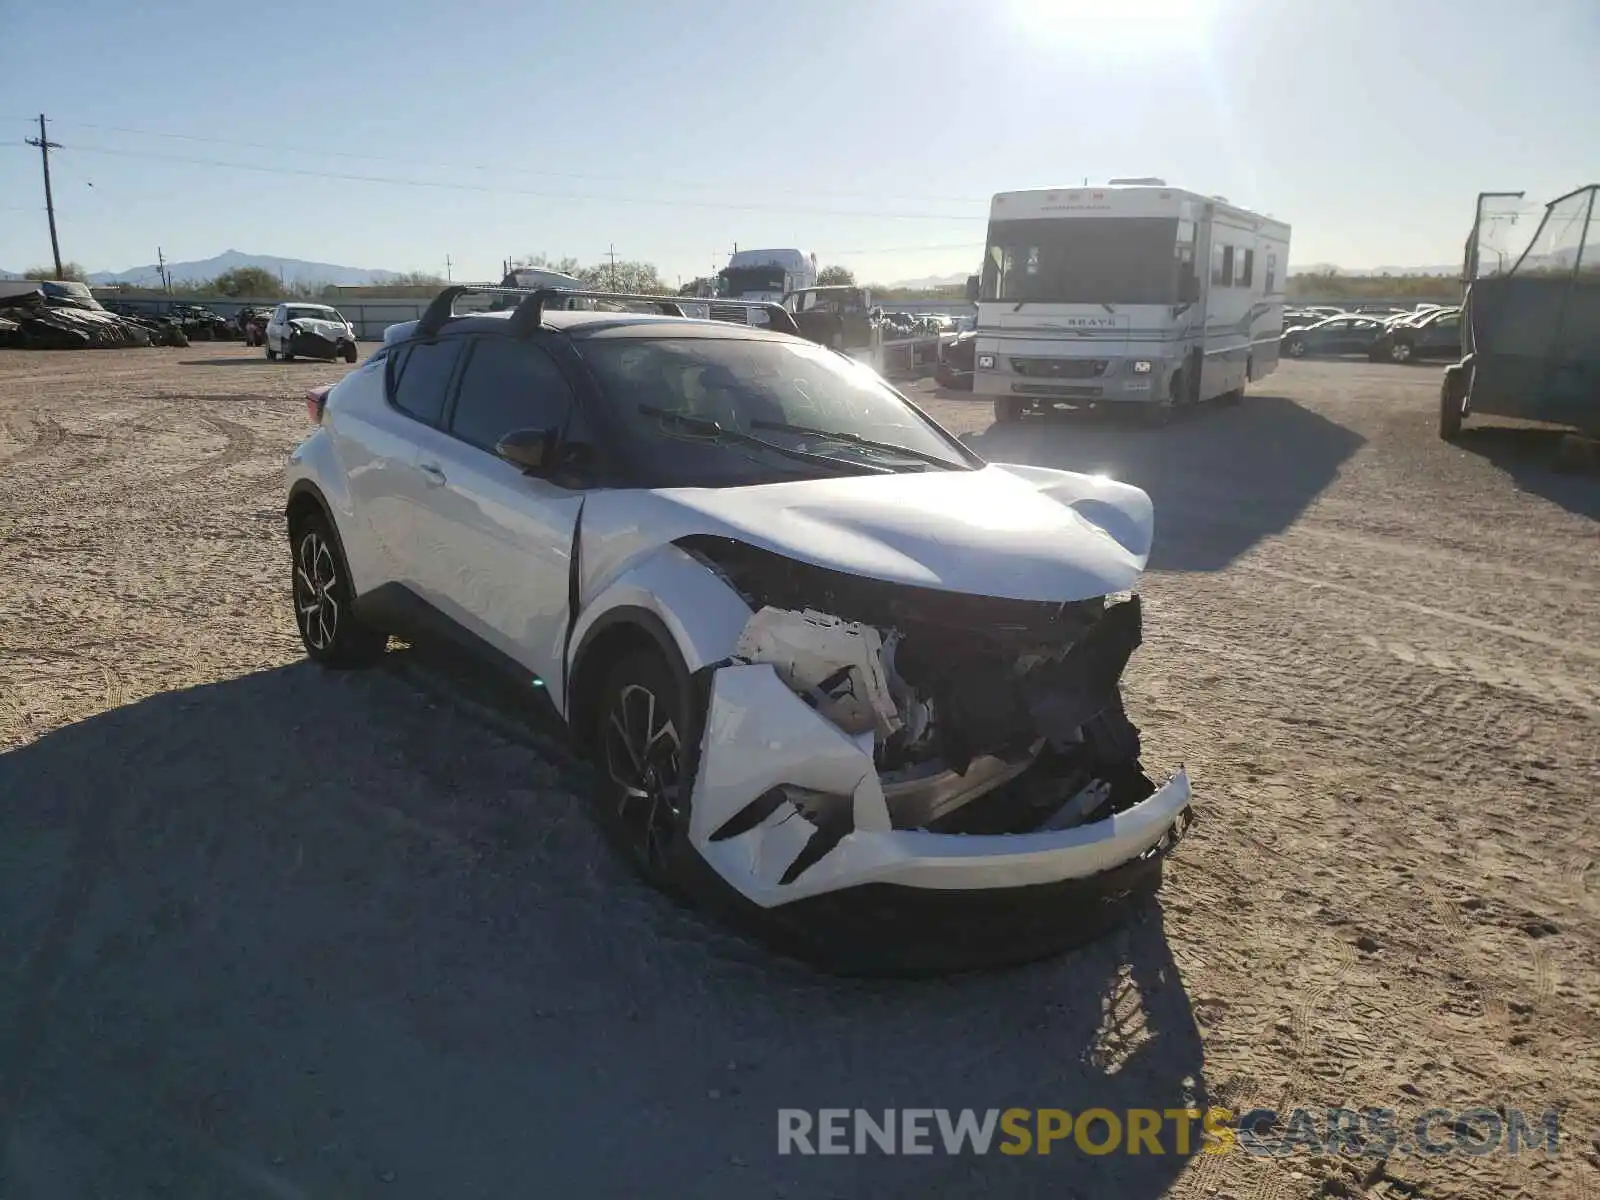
[1452,403]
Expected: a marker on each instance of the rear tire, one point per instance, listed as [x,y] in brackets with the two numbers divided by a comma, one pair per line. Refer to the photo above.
[1402,351]
[1296,348]
[1007,410]
[324,611]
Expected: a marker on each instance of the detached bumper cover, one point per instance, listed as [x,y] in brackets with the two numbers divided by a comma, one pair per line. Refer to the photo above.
[762,741]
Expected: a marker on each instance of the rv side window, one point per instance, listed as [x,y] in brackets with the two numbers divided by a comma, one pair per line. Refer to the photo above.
[1222,265]
[1272,271]
[1247,269]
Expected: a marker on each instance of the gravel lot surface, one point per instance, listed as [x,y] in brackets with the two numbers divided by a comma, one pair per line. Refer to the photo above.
[271,932]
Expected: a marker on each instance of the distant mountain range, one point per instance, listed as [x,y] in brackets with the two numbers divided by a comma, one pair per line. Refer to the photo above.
[1324,268]
[932,281]
[290,270]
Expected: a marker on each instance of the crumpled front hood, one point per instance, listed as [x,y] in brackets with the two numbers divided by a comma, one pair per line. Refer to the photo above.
[1016,532]
[331,330]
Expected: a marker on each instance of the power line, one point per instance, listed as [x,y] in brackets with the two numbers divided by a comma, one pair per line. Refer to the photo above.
[765,206]
[325,151]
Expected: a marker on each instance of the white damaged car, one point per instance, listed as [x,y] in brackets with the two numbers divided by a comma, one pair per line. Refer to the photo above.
[839,677]
[309,331]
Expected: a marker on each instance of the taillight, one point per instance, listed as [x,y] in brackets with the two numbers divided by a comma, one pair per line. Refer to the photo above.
[316,401]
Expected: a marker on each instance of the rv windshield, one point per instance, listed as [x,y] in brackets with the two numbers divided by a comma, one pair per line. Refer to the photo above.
[1083,260]
[741,281]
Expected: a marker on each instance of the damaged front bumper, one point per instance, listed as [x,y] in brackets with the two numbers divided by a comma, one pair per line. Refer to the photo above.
[306,343]
[787,806]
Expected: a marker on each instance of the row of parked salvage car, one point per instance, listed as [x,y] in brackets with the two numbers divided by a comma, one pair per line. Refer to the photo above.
[1383,335]
[64,315]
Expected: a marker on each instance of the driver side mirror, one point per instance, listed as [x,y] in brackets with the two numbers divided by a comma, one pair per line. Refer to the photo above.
[543,453]
[972,289]
[536,451]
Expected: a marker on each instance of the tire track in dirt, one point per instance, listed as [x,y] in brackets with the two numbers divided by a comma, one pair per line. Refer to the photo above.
[1577,881]
[1565,646]
[1557,690]
[42,434]
[239,444]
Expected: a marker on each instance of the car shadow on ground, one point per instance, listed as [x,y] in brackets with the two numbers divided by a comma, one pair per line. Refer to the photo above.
[305,933]
[1529,455]
[1221,479]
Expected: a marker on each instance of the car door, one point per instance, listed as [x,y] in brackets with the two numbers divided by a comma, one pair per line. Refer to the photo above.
[378,444]
[1363,332]
[494,545]
[1323,338]
[275,326]
[1442,336]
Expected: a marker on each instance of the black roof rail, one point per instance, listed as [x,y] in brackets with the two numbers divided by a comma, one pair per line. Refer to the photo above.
[529,313]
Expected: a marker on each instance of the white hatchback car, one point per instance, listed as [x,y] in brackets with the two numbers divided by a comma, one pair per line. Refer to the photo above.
[310,331]
[838,675]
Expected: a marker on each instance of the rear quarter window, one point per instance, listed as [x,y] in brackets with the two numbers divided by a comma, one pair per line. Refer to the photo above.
[419,378]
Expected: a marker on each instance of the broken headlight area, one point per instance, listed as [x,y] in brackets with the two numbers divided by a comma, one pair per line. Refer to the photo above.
[986,716]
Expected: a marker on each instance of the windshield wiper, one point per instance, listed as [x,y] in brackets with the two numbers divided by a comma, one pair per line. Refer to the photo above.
[722,433]
[857,440]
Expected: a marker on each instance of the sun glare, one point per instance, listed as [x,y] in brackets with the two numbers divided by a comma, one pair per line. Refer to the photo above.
[1118,28]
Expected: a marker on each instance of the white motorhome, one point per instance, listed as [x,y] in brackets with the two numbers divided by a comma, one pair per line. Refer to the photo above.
[1134,292]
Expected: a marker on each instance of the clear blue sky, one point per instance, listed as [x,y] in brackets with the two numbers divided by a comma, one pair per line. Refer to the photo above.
[872,131]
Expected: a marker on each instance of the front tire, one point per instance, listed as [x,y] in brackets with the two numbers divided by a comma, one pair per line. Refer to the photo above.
[1452,403]
[272,355]
[1402,352]
[323,600]
[1007,410]
[1296,348]
[643,737]
[350,353]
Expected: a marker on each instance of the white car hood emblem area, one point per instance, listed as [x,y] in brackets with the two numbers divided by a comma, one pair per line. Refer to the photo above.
[1012,532]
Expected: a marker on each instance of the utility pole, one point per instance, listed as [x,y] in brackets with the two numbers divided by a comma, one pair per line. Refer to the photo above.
[161,270]
[45,146]
[447,266]
[612,255]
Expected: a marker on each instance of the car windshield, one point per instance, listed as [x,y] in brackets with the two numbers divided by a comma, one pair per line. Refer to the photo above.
[742,281]
[315,314]
[697,410]
[1083,260]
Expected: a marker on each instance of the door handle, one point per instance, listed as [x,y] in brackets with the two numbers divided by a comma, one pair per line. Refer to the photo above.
[434,474]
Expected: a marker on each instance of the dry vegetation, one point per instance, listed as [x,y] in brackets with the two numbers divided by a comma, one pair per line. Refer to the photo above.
[266,931]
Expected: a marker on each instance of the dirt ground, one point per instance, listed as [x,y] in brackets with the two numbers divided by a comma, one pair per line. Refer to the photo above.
[271,932]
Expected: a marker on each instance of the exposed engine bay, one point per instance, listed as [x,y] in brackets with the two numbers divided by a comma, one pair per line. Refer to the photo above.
[986,716]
